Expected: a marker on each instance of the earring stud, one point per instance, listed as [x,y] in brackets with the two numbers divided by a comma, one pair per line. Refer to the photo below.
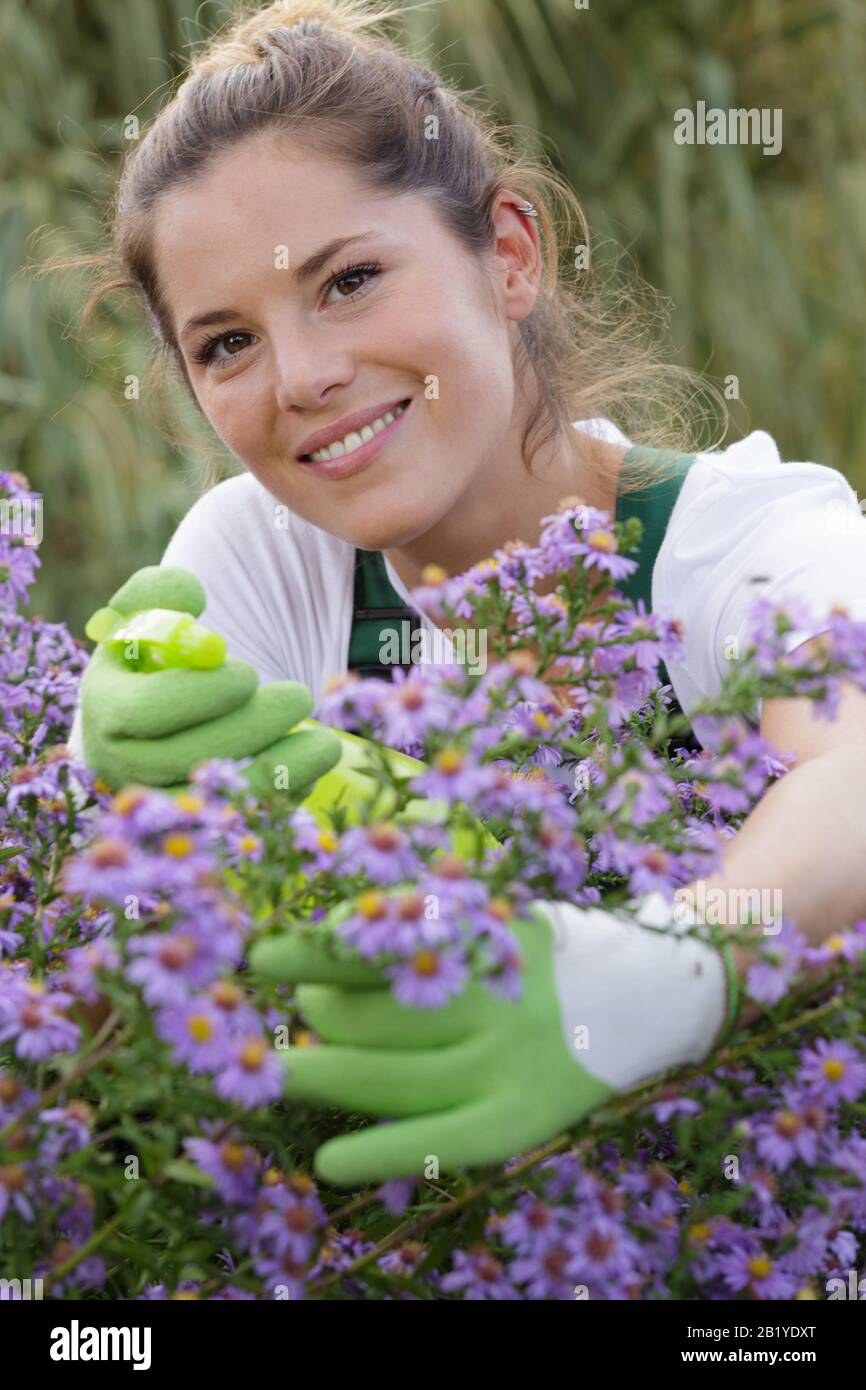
[527,208]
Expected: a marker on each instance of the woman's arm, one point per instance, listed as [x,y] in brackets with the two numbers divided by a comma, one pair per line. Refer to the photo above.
[807,836]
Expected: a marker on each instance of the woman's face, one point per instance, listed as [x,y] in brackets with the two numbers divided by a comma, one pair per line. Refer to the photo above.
[303,334]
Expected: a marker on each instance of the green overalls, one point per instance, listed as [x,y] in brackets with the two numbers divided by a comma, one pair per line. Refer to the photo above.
[377,604]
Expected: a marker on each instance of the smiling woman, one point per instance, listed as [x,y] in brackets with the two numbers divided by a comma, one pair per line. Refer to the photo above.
[407,372]
[374,239]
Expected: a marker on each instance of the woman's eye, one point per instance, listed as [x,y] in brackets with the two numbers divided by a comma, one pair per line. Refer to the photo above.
[234,343]
[350,282]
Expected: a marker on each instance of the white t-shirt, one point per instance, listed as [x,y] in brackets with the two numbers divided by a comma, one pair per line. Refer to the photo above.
[744,523]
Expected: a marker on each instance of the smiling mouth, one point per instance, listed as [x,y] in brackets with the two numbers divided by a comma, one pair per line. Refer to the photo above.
[354,440]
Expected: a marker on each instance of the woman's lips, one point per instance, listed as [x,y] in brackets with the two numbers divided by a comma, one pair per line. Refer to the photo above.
[347,464]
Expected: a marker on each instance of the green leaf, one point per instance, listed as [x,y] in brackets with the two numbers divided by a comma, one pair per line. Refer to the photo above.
[183,1171]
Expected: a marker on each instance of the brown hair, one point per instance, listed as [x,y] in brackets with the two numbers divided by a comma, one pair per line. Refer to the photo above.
[325,69]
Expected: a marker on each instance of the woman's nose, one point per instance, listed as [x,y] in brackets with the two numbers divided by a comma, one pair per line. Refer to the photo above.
[305,370]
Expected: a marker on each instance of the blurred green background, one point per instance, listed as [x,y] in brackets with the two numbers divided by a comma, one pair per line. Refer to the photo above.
[764,257]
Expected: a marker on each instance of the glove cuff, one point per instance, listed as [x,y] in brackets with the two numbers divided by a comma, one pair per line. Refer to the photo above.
[635,1001]
[656,912]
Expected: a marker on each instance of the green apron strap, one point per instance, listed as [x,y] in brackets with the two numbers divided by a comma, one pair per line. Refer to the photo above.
[377,606]
[653,505]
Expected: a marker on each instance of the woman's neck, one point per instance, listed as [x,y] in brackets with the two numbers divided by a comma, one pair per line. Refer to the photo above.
[510,504]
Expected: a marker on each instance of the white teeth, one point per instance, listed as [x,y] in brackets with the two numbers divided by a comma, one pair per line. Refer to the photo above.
[356,438]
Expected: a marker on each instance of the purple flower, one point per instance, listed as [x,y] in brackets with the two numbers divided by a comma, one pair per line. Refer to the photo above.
[253,1075]
[768,980]
[453,776]
[752,1269]
[478,1275]
[834,1070]
[31,1017]
[384,852]
[233,1166]
[197,1032]
[429,979]
[293,1215]
[396,1194]
[13,1181]
[170,965]
[786,1136]
[83,963]
[70,1130]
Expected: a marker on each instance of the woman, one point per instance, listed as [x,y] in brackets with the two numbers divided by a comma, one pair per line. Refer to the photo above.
[348,273]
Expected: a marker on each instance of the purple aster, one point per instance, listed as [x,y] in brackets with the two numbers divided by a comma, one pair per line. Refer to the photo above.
[842,945]
[646,793]
[752,1269]
[31,1017]
[282,1276]
[169,965]
[532,1225]
[834,1070]
[674,1104]
[396,1194]
[453,776]
[478,1275]
[291,1218]
[405,1259]
[430,979]
[647,648]
[233,1166]
[83,963]
[13,1181]
[785,1136]
[253,1075]
[769,978]
[70,1130]
[412,707]
[220,777]
[196,1030]
[384,852]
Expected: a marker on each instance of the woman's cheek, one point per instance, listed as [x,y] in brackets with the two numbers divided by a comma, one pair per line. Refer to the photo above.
[240,420]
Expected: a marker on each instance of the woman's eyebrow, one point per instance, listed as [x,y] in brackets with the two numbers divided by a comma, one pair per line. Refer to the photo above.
[310,267]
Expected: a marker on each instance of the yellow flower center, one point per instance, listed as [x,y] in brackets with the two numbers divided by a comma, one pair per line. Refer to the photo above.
[371,905]
[200,1028]
[426,963]
[834,1069]
[760,1267]
[252,1055]
[602,540]
[178,846]
[449,761]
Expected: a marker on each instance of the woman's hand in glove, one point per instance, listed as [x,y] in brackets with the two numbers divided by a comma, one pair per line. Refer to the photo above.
[152,728]
[606,1003]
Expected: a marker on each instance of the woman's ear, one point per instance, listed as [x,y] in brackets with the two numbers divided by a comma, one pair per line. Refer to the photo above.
[516,255]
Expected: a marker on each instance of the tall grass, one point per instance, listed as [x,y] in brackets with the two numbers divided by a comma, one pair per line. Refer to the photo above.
[762,256]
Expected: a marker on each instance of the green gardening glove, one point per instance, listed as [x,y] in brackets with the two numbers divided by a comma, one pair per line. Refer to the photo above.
[152,726]
[606,1002]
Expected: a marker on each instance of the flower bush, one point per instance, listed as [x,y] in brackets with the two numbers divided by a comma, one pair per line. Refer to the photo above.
[145,1149]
